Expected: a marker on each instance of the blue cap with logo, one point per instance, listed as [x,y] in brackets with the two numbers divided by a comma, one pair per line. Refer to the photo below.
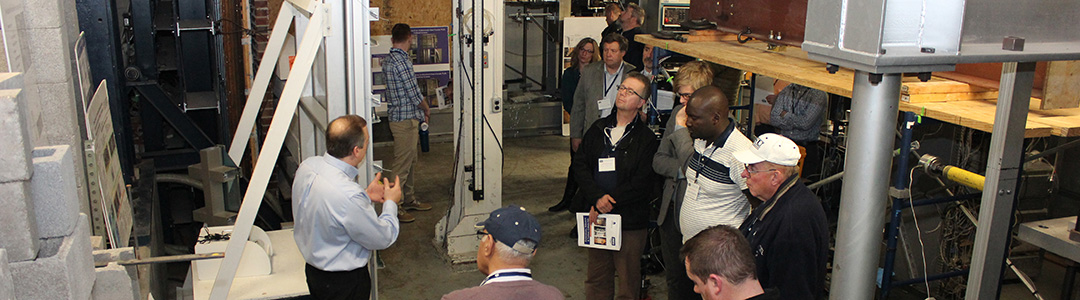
[514,227]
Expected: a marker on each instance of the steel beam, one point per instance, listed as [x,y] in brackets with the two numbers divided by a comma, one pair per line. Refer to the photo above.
[172,114]
[874,107]
[993,237]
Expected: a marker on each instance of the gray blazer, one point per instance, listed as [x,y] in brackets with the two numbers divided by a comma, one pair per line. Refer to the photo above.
[670,161]
[590,88]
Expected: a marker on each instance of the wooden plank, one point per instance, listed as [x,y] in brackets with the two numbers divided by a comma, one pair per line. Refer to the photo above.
[1068,126]
[938,85]
[973,114]
[789,65]
[983,82]
[1062,85]
[920,98]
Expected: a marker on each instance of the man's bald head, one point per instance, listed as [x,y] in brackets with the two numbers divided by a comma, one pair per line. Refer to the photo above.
[711,99]
[707,113]
[344,134]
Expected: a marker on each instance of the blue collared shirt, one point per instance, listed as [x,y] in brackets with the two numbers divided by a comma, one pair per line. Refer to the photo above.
[335,224]
[402,92]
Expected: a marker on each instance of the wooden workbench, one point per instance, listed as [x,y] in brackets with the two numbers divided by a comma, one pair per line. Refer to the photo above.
[942,99]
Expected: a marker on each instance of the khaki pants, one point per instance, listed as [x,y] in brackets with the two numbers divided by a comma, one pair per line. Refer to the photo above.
[406,144]
[605,264]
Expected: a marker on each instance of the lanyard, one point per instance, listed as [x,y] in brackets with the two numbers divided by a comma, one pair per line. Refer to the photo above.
[607,133]
[507,276]
[613,80]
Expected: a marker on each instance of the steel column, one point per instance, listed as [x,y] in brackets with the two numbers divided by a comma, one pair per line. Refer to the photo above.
[858,235]
[993,237]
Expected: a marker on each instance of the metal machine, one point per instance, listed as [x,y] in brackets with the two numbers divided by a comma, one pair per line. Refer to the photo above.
[882,39]
[478,78]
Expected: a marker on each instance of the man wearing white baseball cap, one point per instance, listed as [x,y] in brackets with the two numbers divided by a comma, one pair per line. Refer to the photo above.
[788,232]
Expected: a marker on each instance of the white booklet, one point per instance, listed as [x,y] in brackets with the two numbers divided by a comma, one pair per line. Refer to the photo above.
[606,235]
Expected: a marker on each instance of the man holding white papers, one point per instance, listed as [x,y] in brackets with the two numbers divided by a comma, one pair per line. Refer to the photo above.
[614,169]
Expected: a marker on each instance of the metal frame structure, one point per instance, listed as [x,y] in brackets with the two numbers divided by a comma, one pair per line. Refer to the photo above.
[478,72]
[328,78]
[879,40]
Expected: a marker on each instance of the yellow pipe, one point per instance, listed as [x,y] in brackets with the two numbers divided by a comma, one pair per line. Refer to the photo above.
[964,177]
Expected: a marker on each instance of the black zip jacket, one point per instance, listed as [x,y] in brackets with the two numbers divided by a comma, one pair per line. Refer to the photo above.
[636,184]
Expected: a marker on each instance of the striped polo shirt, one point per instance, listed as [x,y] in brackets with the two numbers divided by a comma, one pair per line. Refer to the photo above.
[714,184]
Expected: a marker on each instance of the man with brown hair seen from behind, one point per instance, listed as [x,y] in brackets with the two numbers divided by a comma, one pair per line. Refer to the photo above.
[406,109]
[719,262]
[335,224]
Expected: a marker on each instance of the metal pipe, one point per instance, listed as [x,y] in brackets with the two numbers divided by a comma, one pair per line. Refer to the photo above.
[930,278]
[858,235]
[1051,151]
[900,182]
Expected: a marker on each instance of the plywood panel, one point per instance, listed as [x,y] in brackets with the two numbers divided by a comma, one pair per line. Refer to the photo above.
[1062,86]
[412,12]
[790,64]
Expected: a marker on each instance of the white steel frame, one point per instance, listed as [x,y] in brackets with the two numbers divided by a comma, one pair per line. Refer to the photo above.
[335,45]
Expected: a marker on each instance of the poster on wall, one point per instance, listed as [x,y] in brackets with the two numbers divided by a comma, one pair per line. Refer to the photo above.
[107,187]
[431,46]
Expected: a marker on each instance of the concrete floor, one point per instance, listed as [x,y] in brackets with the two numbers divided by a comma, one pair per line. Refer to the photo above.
[534,174]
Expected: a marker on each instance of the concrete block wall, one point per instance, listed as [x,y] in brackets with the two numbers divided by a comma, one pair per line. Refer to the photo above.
[112,283]
[63,270]
[48,32]
[19,234]
[7,288]
[15,162]
[55,196]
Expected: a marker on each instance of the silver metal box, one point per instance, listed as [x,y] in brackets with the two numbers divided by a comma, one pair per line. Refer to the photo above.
[893,36]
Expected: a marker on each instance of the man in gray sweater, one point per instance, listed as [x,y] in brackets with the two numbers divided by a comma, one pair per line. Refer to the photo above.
[511,236]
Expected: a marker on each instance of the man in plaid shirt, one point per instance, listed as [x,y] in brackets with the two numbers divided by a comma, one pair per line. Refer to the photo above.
[407,110]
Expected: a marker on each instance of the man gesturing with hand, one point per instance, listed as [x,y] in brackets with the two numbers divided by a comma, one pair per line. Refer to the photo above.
[336,226]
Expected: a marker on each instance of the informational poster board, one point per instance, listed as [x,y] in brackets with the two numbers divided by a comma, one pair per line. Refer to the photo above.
[604,234]
[430,53]
[108,191]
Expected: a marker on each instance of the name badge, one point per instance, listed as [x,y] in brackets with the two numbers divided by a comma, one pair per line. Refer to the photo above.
[607,164]
[603,104]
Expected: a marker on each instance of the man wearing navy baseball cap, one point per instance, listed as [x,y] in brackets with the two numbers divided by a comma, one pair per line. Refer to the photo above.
[511,236]
[788,232]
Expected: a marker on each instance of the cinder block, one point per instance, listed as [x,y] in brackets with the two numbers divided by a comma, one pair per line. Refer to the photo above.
[55,197]
[11,80]
[7,289]
[15,134]
[110,256]
[115,254]
[97,242]
[51,54]
[44,13]
[19,233]
[113,282]
[61,114]
[64,270]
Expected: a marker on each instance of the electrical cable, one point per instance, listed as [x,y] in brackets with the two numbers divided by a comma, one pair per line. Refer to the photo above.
[922,247]
[493,135]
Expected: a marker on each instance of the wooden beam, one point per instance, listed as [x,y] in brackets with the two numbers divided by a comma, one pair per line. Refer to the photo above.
[1062,85]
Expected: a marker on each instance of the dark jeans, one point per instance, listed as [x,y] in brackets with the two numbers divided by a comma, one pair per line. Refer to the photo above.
[355,284]
[571,184]
[679,286]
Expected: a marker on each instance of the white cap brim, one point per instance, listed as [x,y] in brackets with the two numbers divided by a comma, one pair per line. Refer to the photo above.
[748,157]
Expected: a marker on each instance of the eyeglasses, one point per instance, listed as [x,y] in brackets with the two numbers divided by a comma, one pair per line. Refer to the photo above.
[752,171]
[684,95]
[623,88]
[588,51]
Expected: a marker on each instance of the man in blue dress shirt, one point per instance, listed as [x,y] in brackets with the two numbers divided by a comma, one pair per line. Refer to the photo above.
[335,223]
